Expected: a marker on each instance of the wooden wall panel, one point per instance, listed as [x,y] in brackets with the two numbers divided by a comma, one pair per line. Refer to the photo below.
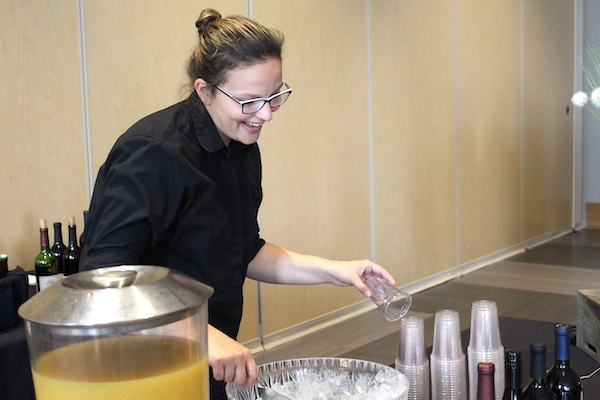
[548,128]
[137,52]
[42,168]
[315,161]
[489,126]
[414,136]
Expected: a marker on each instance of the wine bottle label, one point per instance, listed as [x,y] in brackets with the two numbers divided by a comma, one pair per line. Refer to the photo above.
[45,281]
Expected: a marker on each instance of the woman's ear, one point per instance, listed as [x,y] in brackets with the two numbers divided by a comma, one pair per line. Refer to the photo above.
[204,90]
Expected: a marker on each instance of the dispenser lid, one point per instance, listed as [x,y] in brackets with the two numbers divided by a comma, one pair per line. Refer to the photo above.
[114,299]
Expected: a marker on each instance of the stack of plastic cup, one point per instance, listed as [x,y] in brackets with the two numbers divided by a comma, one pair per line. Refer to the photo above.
[412,360]
[485,345]
[448,363]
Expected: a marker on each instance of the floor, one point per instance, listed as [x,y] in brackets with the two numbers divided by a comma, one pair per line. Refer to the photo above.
[539,284]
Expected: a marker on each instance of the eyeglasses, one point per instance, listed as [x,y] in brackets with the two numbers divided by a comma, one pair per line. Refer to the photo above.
[255,105]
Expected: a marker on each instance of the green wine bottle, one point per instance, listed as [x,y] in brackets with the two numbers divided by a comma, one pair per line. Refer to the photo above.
[46,264]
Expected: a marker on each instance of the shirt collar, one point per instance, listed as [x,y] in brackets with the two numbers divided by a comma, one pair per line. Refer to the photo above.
[205,128]
[206,131]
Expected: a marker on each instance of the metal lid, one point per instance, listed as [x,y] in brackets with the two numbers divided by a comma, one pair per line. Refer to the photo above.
[116,299]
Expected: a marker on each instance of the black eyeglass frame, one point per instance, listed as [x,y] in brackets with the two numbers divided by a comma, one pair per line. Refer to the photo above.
[265,100]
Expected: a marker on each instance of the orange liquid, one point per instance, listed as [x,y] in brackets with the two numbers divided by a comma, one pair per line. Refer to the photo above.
[128,368]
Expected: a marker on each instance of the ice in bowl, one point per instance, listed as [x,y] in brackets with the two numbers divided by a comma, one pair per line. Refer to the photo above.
[326,378]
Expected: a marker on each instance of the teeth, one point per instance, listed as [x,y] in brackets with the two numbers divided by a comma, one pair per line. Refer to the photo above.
[254,125]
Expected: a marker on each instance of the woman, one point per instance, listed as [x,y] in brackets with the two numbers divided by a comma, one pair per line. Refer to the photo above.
[182,188]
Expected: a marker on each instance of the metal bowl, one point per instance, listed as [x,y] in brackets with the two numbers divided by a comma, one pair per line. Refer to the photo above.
[337,376]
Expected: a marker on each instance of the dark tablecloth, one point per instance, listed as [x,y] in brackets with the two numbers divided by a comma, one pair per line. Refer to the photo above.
[13,293]
[15,371]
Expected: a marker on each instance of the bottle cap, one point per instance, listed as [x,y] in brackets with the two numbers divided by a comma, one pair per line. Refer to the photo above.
[562,329]
[485,367]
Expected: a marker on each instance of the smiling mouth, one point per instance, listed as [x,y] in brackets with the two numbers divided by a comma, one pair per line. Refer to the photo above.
[253,125]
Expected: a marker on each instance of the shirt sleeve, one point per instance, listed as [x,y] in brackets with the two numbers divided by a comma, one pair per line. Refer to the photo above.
[135,199]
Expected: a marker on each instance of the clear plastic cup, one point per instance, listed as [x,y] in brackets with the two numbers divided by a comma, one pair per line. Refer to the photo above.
[447,343]
[412,359]
[418,379]
[448,362]
[485,345]
[485,329]
[392,301]
[411,350]
[449,379]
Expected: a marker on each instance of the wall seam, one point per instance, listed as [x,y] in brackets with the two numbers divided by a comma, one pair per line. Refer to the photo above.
[522,127]
[457,135]
[370,132]
[85,100]
[578,211]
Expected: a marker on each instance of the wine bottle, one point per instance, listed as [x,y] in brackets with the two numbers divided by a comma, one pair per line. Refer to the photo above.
[46,266]
[71,257]
[485,381]
[512,375]
[538,388]
[562,378]
[58,248]
[3,265]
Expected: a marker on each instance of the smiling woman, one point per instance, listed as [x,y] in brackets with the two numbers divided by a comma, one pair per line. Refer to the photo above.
[182,189]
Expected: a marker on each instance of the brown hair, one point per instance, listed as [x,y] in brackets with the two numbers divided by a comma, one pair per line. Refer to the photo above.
[229,43]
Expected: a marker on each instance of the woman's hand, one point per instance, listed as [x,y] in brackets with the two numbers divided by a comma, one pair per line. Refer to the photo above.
[230,361]
[346,273]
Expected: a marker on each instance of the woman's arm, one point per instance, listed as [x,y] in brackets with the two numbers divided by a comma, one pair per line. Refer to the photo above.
[274,264]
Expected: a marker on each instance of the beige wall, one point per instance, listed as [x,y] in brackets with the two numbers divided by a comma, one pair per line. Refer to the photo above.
[417,133]
[489,126]
[42,158]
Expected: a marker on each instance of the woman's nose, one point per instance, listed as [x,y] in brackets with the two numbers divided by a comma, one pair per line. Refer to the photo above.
[265,113]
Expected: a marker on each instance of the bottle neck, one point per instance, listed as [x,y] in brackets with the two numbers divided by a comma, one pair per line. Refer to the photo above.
[562,354]
[513,376]
[58,232]
[44,239]
[537,372]
[485,381]
[72,235]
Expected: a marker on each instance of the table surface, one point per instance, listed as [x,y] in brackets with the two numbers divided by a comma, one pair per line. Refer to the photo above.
[16,383]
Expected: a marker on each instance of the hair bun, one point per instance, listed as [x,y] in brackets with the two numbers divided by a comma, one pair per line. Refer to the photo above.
[207,18]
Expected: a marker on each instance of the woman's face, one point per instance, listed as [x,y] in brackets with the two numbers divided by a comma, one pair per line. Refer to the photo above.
[257,80]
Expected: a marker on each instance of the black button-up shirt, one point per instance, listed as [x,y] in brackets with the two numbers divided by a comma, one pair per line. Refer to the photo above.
[172,194]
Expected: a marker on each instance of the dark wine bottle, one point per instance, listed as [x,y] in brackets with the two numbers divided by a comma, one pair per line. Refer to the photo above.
[512,375]
[58,248]
[46,266]
[538,388]
[3,265]
[485,381]
[562,378]
[71,257]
